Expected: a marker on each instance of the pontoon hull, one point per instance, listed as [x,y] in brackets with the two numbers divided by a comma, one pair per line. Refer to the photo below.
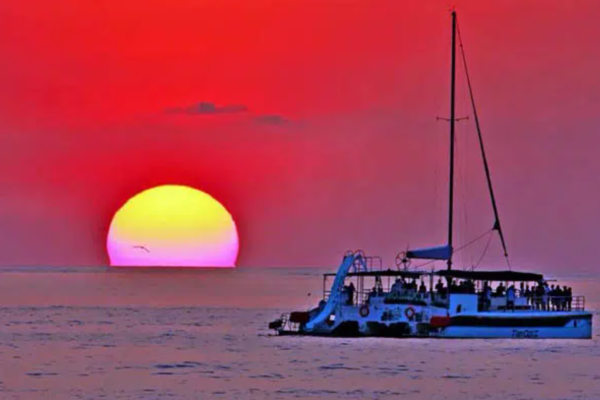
[555,325]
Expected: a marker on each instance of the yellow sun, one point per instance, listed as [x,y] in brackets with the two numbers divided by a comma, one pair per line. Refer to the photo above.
[173,225]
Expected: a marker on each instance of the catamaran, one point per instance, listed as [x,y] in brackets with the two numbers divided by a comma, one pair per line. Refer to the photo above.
[364,299]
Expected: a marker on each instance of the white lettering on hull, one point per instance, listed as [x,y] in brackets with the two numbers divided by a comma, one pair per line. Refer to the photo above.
[525,333]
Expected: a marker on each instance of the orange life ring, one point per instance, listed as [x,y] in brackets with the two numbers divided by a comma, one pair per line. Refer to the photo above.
[410,313]
[364,311]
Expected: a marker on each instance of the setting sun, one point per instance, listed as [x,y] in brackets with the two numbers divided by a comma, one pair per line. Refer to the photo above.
[172,226]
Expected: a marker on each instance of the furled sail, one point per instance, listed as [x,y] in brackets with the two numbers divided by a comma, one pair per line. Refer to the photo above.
[431,253]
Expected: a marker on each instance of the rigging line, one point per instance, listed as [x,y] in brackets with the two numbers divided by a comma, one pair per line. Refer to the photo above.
[474,240]
[485,163]
[464,172]
[487,246]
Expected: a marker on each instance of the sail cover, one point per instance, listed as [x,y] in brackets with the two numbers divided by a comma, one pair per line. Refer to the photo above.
[431,253]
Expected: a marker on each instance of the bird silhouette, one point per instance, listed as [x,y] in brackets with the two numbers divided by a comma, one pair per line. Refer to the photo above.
[142,248]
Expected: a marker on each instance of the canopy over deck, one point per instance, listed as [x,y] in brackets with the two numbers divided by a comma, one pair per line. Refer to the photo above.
[387,272]
[505,276]
[498,276]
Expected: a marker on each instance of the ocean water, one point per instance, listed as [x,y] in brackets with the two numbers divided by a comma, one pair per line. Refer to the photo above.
[95,333]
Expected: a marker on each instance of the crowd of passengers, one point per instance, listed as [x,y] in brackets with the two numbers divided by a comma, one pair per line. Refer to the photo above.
[539,297]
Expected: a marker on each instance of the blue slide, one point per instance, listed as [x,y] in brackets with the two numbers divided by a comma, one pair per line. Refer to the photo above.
[336,291]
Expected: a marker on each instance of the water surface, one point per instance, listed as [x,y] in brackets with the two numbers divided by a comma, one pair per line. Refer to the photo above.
[123,334]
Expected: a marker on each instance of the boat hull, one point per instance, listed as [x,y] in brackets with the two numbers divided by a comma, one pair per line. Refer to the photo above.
[516,333]
[556,325]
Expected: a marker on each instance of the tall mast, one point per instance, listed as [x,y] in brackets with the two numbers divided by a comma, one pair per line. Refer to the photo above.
[452,120]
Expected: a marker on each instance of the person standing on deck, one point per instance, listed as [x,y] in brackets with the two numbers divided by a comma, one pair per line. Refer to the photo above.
[559,299]
[439,288]
[539,295]
[422,288]
[500,290]
[569,297]
[510,298]
[413,287]
[397,288]
[545,296]
[351,291]
[487,296]
[528,296]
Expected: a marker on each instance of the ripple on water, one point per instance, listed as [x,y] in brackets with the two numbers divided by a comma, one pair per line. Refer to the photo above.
[185,364]
[267,376]
[392,371]
[306,392]
[337,366]
[451,376]
[41,374]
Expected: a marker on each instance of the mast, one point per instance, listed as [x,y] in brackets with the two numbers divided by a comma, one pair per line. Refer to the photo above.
[452,120]
[446,251]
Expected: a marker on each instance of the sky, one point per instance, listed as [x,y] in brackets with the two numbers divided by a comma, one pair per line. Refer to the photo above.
[313,122]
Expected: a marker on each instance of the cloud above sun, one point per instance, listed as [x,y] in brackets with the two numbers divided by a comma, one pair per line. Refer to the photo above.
[209,108]
[272,119]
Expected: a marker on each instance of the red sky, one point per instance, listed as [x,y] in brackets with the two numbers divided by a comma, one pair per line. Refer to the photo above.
[339,147]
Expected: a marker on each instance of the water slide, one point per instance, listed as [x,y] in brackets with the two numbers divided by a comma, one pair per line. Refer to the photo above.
[336,290]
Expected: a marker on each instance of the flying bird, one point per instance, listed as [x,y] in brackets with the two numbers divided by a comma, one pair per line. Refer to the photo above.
[142,248]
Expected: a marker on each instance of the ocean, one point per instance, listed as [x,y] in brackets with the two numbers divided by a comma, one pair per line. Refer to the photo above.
[99,333]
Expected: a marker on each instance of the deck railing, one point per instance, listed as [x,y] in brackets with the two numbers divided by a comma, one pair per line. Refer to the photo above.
[545,303]
[556,303]
[361,297]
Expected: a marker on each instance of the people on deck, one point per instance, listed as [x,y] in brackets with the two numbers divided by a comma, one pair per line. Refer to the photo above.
[412,287]
[502,295]
[397,287]
[453,286]
[559,299]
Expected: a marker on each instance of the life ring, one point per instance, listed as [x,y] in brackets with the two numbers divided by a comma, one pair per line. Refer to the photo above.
[410,313]
[364,311]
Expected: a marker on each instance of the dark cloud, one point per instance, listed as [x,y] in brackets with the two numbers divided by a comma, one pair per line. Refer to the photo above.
[208,108]
[272,119]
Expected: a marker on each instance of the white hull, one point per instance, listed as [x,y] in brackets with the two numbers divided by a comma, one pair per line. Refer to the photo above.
[526,325]
[581,332]
[391,321]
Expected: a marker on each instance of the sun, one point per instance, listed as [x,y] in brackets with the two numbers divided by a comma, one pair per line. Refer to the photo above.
[173,226]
